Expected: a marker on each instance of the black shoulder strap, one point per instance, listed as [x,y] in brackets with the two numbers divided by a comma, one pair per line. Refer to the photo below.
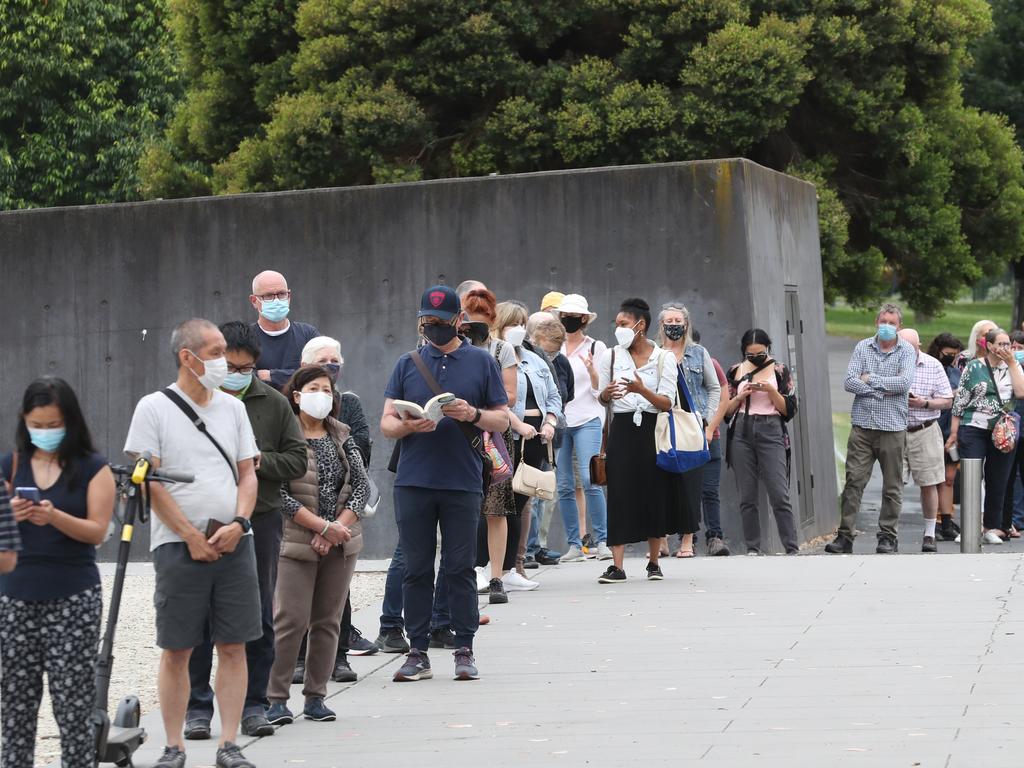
[995,384]
[177,399]
[472,434]
[593,346]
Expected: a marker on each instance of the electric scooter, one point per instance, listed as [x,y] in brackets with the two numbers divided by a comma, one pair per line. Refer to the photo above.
[116,742]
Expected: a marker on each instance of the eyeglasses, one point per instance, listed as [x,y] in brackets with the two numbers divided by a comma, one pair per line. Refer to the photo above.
[1002,344]
[282,295]
[247,371]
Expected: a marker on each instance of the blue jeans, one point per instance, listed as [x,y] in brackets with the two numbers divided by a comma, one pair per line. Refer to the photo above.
[391,611]
[709,494]
[586,439]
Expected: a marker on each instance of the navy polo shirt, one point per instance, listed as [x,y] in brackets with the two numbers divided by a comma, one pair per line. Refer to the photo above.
[443,459]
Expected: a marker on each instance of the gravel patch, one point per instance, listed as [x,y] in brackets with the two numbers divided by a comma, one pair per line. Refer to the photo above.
[136,656]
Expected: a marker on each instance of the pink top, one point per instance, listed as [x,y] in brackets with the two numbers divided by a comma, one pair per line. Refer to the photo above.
[760,402]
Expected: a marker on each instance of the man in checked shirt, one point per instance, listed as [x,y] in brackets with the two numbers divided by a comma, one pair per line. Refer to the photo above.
[880,373]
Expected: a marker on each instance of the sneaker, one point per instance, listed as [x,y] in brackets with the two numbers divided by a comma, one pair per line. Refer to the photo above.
[343,672]
[483,581]
[753,553]
[841,545]
[416,667]
[604,552]
[197,729]
[497,592]
[928,545]
[654,572]
[717,548]
[887,545]
[574,555]
[530,563]
[171,758]
[547,557]
[230,756]
[359,645]
[257,725]
[947,530]
[443,637]
[465,665]
[991,537]
[299,675]
[612,575]
[279,714]
[317,711]
[516,582]
[392,640]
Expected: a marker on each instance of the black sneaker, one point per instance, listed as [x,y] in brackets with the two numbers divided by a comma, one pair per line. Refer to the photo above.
[717,548]
[416,667]
[530,563]
[465,665]
[171,758]
[948,530]
[887,545]
[343,672]
[317,711]
[392,640]
[497,592]
[928,545]
[546,557]
[841,545]
[612,575]
[197,729]
[359,645]
[279,714]
[299,675]
[654,572]
[443,637]
[257,725]
[230,756]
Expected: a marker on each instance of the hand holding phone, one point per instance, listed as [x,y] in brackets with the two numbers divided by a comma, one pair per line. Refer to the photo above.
[28,492]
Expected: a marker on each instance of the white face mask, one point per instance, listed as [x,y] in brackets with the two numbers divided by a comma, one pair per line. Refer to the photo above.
[316,404]
[625,336]
[214,372]
[515,334]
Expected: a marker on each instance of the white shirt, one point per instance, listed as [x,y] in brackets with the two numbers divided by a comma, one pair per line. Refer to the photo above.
[160,427]
[658,374]
[584,406]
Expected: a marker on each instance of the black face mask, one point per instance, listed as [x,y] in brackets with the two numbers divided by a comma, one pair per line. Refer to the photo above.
[675,332]
[477,332]
[439,335]
[334,369]
[572,324]
[759,359]
[947,360]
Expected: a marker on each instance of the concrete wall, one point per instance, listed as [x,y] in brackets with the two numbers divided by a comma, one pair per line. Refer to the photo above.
[82,284]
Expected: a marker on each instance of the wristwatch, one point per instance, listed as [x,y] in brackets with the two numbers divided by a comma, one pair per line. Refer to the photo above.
[476,418]
[245,522]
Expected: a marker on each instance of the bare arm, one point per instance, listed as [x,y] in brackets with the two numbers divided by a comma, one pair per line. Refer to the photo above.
[8,561]
[510,378]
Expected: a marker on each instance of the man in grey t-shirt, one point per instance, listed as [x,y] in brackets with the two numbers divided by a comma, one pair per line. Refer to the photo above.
[203,576]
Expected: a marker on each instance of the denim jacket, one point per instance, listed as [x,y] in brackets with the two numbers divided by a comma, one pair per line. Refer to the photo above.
[545,388]
[694,360]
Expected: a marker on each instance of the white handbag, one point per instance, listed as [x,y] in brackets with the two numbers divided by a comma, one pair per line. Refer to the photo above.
[679,438]
[533,482]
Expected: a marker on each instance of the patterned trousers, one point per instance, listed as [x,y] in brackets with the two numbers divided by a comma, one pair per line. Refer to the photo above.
[59,637]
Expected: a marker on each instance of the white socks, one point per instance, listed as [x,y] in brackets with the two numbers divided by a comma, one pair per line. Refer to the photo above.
[929,528]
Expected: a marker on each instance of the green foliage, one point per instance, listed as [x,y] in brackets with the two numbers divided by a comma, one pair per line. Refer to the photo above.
[861,98]
[957,318]
[996,82]
[83,86]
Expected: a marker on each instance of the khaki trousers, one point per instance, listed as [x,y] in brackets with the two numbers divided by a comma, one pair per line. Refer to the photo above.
[863,449]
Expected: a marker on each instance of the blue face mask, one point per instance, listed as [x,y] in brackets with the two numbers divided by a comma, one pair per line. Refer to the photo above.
[1019,354]
[48,440]
[275,310]
[236,382]
[334,369]
[886,332]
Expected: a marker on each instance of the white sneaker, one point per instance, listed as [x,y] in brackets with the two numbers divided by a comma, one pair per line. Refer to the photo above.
[515,583]
[991,537]
[574,555]
[603,552]
[483,581]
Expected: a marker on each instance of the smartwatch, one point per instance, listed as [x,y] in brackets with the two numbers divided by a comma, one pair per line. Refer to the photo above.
[245,522]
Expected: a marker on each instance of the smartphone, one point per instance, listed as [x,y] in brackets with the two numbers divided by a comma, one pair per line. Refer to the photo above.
[28,492]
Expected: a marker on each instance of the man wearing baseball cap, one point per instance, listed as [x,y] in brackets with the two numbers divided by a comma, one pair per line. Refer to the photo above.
[439,479]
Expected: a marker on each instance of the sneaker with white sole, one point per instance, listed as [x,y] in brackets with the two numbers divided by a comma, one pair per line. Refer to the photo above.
[483,581]
[574,555]
[991,537]
[604,552]
[514,582]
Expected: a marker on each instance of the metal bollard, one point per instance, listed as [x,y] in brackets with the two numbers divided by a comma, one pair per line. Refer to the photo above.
[970,505]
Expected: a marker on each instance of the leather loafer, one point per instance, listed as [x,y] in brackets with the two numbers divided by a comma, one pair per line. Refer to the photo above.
[257,725]
[841,545]
[197,729]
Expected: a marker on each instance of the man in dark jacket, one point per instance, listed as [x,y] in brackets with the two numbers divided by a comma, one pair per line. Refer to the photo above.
[282,458]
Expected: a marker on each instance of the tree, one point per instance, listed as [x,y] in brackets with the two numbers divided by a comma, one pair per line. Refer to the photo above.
[861,98]
[83,87]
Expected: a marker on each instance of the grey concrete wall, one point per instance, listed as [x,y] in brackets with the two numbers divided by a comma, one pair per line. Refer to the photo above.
[81,284]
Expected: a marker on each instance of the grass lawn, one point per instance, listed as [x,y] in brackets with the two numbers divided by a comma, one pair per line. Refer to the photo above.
[840,434]
[956,319]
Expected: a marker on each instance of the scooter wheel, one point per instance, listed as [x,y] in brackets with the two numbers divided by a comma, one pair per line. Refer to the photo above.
[129,713]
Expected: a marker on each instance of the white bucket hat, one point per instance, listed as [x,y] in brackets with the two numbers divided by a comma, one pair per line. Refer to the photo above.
[574,304]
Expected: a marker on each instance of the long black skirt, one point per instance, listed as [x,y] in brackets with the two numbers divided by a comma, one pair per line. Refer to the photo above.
[645,502]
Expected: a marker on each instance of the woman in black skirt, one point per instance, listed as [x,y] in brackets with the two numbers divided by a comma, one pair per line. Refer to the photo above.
[638,379]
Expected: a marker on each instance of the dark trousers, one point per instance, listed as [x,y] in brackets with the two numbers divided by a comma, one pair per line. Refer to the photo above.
[419,511]
[1016,474]
[391,616]
[710,502]
[976,443]
[259,654]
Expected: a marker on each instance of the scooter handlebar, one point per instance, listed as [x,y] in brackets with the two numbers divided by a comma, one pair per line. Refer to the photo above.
[157,475]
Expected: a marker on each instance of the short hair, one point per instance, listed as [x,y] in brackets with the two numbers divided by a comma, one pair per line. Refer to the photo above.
[188,335]
[890,308]
[992,335]
[481,301]
[1017,337]
[241,337]
[755,336]
[509,313]
[944,341]
[638,309]
[317,343]
[468,285]
[545,327]
[675,306]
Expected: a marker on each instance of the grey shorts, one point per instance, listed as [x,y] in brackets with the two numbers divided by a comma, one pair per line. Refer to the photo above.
[189,595]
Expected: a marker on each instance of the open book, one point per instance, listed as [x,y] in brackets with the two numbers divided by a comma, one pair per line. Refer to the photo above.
[432,410]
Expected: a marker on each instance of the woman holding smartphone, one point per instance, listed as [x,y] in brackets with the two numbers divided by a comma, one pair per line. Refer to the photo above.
[50,604]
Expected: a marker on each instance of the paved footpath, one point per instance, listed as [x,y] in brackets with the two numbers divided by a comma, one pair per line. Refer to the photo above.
[771,661]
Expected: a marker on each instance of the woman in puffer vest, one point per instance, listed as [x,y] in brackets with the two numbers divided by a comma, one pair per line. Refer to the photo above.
[322,540]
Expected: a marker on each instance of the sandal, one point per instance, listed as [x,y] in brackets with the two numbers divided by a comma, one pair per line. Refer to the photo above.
[684,553]
[1013,534]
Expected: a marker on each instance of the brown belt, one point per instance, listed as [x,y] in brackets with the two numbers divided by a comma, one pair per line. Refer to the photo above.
[919,427]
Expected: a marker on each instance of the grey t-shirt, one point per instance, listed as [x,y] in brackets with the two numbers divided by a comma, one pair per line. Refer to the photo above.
[161,428]
[507,358]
